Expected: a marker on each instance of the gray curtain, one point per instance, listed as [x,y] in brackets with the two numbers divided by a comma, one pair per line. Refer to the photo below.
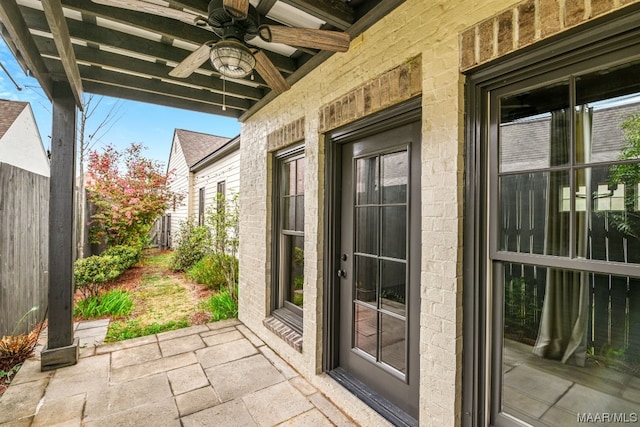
[565,311]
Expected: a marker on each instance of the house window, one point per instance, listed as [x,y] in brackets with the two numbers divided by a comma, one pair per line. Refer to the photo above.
[288,278]
[561,171]
[201,194]
[221,194]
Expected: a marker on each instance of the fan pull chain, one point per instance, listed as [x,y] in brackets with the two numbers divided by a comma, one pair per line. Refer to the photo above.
[224,93]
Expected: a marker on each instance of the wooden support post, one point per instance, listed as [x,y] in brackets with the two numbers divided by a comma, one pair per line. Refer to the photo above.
[61,349]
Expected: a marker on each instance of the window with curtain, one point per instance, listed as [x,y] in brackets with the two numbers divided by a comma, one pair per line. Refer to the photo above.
[288,277]
[565,245]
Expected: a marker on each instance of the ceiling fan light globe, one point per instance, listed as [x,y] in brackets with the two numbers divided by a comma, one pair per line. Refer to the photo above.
[232,59]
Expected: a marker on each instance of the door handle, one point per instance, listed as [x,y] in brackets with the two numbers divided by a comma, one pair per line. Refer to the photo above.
[342,274]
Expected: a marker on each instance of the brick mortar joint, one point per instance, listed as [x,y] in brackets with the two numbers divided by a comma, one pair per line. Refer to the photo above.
[351,105]
[287,134]
[474,50]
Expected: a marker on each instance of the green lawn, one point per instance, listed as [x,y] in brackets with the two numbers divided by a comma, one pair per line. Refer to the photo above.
[160,300]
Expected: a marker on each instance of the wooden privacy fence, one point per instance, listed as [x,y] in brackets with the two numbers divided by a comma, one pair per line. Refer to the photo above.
[24,247]
[614,310]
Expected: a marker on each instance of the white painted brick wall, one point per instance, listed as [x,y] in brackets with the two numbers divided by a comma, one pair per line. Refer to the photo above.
[417,27]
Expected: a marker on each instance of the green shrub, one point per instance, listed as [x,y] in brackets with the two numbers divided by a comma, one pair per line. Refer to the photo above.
[95,269]
[223,222]
[128,255]
[193,244]
[119,331]
[207,272]
[222,305]
[91,272]
[222,218]
[115,303]
[212,270]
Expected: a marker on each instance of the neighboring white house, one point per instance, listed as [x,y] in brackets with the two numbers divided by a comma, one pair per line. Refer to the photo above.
[20,143]
[203,165]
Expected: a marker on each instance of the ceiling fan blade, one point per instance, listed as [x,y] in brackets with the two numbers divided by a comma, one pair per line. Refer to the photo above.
[191,62]
[152,8]
[335,41]
[238,9]
[270,73]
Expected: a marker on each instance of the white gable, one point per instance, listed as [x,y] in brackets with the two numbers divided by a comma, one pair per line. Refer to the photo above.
[21,145]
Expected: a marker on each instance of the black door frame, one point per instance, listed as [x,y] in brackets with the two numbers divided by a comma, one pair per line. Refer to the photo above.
[404,113]
[613,32]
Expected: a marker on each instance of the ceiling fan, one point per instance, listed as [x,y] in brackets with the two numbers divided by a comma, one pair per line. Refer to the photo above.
[236,22]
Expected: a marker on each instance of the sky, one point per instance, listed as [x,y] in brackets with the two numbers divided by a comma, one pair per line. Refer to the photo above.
[148,124]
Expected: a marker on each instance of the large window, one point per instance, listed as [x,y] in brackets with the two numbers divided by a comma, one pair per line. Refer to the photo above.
[289,238]
[562,282]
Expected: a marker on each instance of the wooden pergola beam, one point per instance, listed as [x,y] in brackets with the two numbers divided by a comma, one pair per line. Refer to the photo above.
[376,13]
[373,16]
[152,85]
[157,24]
[108,37]
[265,6]
[334,13]
[113,60]
[197,6]
[21,37]
[62,39]
[158,99]
[159,87]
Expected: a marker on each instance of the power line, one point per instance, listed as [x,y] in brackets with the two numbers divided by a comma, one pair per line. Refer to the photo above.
[10,78]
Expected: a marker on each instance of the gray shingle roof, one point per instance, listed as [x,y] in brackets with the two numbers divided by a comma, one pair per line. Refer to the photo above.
[525,144]
[196,146]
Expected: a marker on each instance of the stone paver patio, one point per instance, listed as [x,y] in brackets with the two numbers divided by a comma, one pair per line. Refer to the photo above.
[550,393]
[219,374]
